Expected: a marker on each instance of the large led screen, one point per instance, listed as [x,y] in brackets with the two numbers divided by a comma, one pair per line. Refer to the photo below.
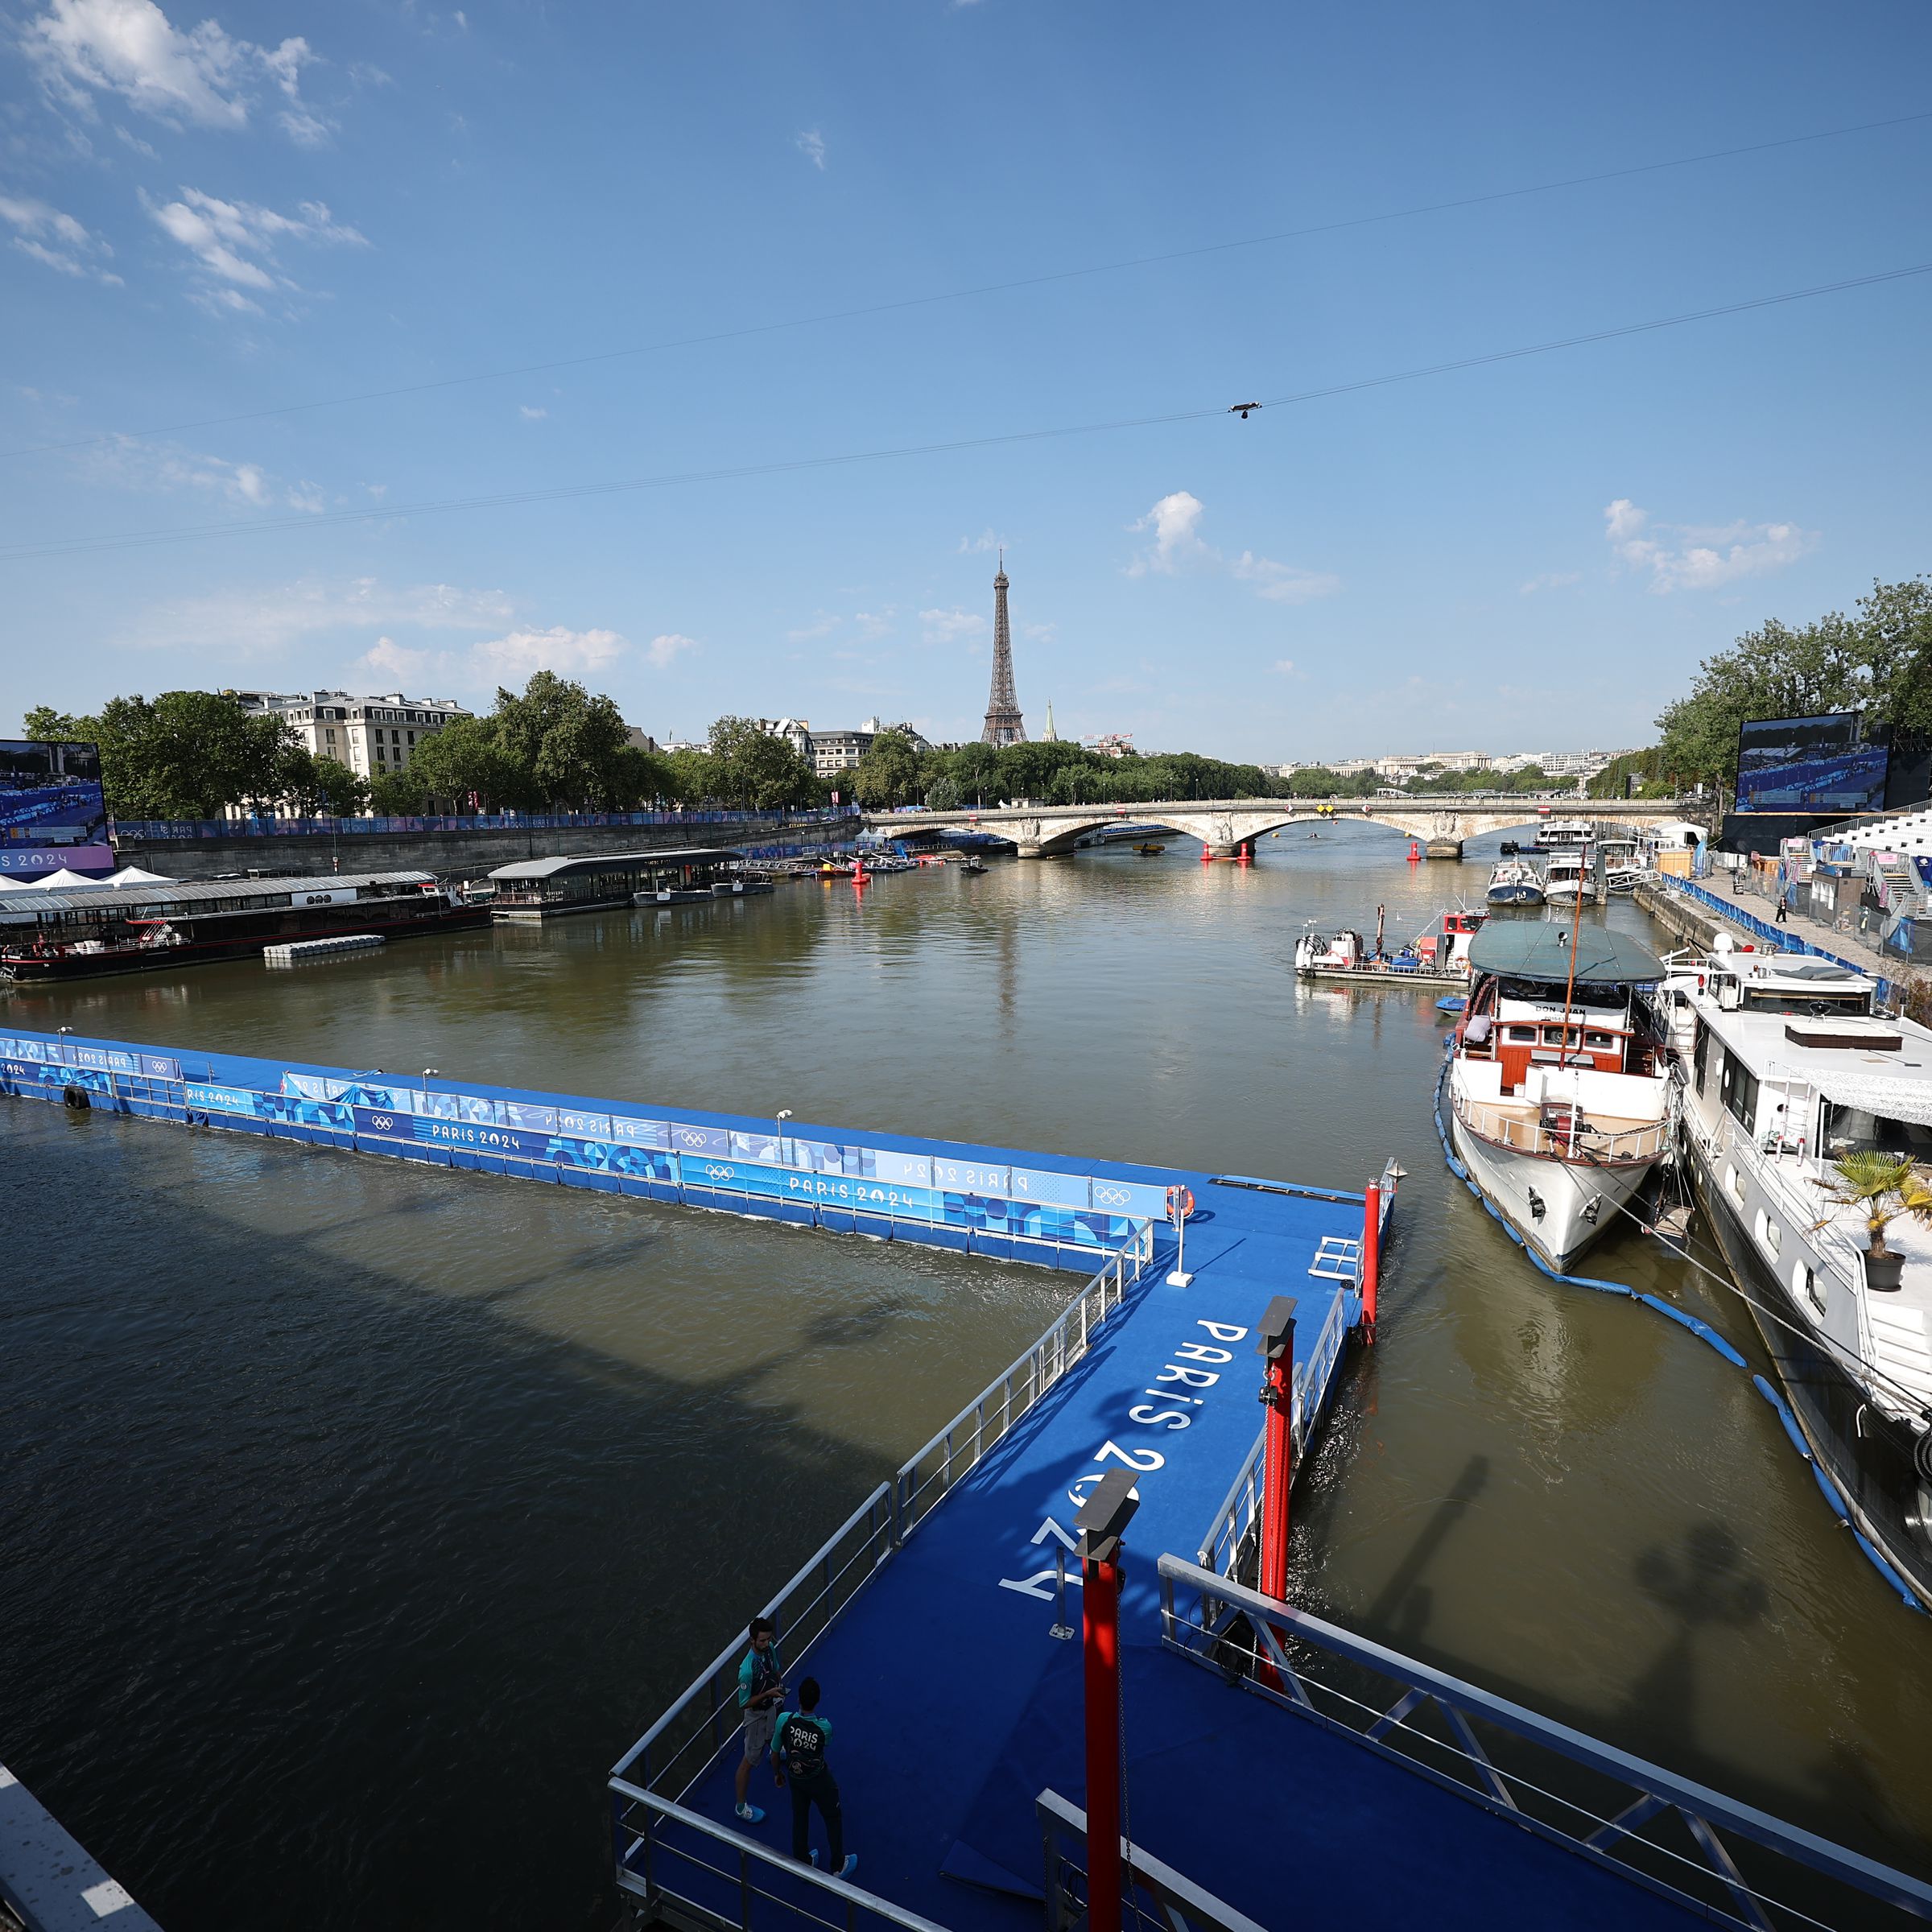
[1820,764]
[52,811]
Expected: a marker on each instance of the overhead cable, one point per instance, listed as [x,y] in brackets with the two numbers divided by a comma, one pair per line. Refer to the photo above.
[985,288]
[564,493]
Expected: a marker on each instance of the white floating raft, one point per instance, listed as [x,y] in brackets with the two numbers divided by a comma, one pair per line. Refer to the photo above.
[314,949]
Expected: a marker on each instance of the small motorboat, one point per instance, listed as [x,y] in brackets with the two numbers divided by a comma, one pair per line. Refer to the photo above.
[1150,850]
[971,865]
[1515,882]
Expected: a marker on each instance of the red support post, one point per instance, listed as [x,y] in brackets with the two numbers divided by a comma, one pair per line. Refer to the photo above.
[1102,1519]
[1277,1452]
[1372,1256]
[1100,1623]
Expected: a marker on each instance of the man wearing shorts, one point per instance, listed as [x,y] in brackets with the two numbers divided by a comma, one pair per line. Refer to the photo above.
[761,1691]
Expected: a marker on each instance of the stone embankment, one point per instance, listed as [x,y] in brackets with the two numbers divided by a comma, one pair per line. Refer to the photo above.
[1681,918]
[452,855]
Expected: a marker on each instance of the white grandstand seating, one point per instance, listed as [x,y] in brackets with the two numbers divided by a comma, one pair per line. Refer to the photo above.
[1904,832]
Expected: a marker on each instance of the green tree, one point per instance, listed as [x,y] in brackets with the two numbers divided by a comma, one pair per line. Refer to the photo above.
[889,773]
[465,767]
[755,770]
[319,787]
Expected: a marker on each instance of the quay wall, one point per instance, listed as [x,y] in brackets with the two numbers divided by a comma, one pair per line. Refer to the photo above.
[459,855]
[1006,1204]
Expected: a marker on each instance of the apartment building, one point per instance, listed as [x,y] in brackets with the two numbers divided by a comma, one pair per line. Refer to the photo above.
[374,736]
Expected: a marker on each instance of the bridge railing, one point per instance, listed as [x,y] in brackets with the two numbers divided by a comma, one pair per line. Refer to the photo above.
[527,821]
[1728,1861]
[664,1850]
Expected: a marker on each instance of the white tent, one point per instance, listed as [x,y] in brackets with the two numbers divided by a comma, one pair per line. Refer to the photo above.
[133,875]
[62,880]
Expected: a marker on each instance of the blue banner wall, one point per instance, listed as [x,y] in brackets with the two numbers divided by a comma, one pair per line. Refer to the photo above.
[977,1194]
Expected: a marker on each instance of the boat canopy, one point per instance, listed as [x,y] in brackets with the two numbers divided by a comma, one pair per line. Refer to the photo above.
[1603,958]
[1888,1094]
[569,864]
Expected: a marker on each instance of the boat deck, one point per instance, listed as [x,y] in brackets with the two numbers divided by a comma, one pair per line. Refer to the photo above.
[953,1706]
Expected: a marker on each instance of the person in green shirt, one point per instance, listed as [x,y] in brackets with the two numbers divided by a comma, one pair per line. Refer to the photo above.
[761,1691]
[797,1753]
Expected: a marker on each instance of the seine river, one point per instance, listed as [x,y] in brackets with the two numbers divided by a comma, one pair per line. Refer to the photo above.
[357,1517]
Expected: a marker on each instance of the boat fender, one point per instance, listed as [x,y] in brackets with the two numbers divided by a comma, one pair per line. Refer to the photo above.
[75,1097]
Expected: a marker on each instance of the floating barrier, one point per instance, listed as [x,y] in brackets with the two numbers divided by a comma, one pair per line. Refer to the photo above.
[1041,1208]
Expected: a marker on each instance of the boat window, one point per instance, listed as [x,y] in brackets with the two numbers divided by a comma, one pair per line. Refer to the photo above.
[1808,1000]
[1770,1236]
[1852,1130]
[1735,1182]
[1701,1057]
[1604,1043]
[1522,1036]
[1738,1089]
[1804,1280]
[1555,1036]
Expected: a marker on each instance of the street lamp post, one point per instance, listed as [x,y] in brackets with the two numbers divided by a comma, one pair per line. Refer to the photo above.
[784,1114]
[429,1073]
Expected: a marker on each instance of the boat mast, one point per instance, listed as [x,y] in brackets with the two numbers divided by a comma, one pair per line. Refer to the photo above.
[1576,928]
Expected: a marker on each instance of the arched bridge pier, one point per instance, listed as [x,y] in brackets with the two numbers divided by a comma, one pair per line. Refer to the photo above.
[1224,825]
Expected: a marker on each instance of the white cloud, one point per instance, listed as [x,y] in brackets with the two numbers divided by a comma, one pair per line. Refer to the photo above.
[234,242]
[202,78]
[519,655]
[659,652]
[1551,579]
[255,623]
[1178,546]
[128,463]
[952,626]
[984,541]
[1689,556]
[1285,668]
[54,238]
[822,625]
[811,145]
[530,415]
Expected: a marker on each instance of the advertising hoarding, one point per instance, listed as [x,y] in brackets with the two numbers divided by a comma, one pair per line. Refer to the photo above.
[51,811]
[1813,764]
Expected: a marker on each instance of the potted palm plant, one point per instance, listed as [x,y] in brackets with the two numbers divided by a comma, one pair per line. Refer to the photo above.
[1881,1187]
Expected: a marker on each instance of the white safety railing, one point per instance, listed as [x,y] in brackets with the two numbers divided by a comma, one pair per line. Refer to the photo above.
[1575,1137]
[1729,1862]
[658,1771]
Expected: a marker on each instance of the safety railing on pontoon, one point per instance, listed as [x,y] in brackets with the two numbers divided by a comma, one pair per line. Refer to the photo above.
[663,1765]
[1151,1892]
[1729,1861]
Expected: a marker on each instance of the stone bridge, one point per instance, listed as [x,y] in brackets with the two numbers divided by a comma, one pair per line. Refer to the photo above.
[1224,825]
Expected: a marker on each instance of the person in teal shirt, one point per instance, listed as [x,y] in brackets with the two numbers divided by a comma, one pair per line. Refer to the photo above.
[761,1691]
[797,1753]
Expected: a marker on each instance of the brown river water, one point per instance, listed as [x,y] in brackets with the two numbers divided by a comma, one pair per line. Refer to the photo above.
[357,1516]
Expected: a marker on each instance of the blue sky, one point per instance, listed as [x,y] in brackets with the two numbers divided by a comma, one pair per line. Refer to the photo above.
[214,214]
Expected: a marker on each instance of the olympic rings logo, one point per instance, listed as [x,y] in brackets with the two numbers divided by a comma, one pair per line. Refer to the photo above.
[1108,1197]
[382,1122]
[691,1137]
[716,1173]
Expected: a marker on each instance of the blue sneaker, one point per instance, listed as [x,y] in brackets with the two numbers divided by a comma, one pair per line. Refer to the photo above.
[751,1815]
[850,1866]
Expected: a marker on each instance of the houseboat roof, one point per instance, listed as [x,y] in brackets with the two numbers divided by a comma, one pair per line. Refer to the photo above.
[1542,952]
[568,863]
[30,903]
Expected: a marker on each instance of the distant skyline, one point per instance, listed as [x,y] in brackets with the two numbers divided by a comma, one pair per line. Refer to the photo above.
[725,246]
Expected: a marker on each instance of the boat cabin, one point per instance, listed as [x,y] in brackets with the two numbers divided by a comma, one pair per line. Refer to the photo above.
[1528,1009]
[534,889]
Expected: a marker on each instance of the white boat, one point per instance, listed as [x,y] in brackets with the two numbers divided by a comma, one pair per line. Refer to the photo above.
[1560,835]
[1569,879]
[1786,1067]
[1516,882]
[1558,1085]
[1619,865]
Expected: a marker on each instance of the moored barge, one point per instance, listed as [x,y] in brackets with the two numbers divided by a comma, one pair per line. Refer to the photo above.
[85,932]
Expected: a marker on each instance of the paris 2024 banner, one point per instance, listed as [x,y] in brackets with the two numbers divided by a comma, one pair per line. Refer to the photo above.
[51,812]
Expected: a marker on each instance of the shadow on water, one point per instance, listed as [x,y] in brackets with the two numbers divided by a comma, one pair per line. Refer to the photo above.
[1403,1607]
[308,1569]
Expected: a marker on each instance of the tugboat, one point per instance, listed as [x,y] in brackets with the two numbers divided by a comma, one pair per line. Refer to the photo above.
[1807,1124]
[1559,1079]
[1515,882]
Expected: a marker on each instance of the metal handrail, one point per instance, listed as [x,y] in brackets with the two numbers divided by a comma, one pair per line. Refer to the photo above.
[1279,1658]
[707,1709]
[853,1898]
[1532,1137]
[1182,1903]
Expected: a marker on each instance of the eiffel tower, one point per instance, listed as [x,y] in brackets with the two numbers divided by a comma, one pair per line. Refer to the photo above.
[1003,724]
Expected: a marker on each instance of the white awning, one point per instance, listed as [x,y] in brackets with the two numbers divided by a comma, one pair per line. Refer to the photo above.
[133,875]
[56,882]
[1872,1090]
